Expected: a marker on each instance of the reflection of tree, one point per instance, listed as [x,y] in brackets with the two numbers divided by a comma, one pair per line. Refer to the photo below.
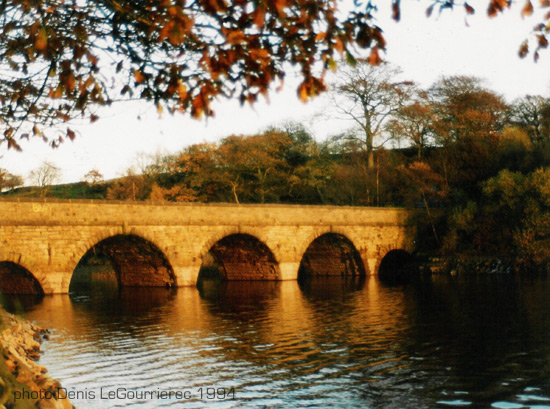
[426,185]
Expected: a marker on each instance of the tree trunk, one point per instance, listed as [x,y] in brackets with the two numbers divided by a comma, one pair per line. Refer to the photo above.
[234,190]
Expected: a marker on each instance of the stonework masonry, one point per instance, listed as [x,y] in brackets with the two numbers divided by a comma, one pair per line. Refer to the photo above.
[49,237]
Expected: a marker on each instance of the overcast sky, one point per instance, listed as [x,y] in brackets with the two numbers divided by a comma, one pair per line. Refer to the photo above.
[424,48]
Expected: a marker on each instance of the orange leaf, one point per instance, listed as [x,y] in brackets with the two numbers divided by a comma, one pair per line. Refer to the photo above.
[198,106]
[303,92]
[339,45]
[236,37]
[280,5]
[138,75]
[165,31]
[57,93]
[259,17]
[374,57]
[321,36]
[527,9]
[41,42]
[469,9]
[70,83]
[182,91]
[497,6]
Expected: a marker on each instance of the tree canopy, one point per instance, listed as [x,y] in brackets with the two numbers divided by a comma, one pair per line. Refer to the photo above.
[61,59]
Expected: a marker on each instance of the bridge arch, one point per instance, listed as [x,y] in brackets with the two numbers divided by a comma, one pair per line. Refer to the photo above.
[16,279]
[331,254]
[397,265]
[241,256]
[137,261]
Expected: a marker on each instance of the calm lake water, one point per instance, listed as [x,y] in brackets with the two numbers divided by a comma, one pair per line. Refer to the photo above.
[476,342]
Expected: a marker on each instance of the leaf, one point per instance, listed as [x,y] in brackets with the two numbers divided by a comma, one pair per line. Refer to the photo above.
[236,37]
[182,91]
[71,134]
[303,92]
[350,59]
[280,5]
[321,36]
[259,17]
[197,106]
[374,57]
[70,83]
[430,10]
[339,45]
[332,65]
[94,118]
[396,10]
[57,93]
[13,145]
[139,77]
[523,49]
[41,42]
[469,9]
[36,131]
[527,9]
[497,6]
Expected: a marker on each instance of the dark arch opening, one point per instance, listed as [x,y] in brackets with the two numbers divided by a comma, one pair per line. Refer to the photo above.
[124,260]
[239,257]
[15,279]
[398,266]
[331,255]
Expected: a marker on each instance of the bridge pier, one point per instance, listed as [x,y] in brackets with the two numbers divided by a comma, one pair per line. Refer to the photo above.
[186,276]
[372,263]
[55,282]
[289,270]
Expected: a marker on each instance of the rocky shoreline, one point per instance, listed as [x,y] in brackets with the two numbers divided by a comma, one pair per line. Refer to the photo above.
[23,382]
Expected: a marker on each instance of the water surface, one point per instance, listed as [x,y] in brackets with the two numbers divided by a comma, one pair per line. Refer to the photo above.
[476,342]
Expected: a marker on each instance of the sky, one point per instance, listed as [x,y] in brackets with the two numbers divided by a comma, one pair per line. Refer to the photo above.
[424,48]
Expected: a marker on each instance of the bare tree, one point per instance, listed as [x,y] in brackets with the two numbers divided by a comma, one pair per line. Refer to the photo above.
[9,181]
[532,113]
[93,177]
[370,96]
[152,164]
[45,176]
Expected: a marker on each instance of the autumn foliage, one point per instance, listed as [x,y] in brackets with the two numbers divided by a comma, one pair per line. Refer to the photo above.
[61,60]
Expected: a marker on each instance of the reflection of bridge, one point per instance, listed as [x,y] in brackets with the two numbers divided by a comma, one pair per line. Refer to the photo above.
[158,244]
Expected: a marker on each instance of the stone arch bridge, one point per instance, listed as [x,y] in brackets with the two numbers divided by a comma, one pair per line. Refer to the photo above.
[158,244]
